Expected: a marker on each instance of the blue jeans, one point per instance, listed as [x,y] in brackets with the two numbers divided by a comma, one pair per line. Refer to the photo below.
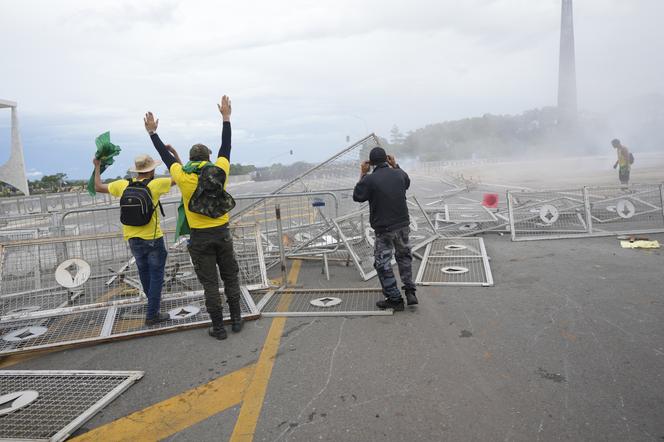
[151,260]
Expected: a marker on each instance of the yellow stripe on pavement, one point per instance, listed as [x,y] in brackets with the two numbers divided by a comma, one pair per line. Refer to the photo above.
[245,427]
[176,413]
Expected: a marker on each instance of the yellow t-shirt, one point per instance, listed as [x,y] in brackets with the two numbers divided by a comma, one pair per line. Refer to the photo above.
[187,183]
[151,230]
[623,156]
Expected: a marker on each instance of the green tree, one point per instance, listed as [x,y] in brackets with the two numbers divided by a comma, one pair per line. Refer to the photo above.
[396,137]
[53,182]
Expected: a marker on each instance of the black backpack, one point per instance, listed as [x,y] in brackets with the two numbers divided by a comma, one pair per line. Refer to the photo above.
[210,198]
[136,206]
[631,158]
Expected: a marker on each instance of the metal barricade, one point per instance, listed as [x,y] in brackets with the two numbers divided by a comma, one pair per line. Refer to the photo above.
[614,210]
[106,219]
[27,270]
[305,218]
[589,211]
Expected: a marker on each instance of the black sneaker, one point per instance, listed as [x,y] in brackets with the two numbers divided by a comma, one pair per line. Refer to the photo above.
[219,333]
[411,299]
[161,317]
[397,306]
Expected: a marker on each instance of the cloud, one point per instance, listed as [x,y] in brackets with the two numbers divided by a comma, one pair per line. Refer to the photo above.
[303,75]
[34,174]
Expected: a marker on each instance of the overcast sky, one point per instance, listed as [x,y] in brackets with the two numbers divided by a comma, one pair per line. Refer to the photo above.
[302,74]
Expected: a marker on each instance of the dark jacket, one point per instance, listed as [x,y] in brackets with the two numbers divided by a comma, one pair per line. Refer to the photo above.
[385,189]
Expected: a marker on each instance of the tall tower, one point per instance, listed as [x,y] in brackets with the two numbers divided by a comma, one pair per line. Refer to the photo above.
[13,171]
[567,104]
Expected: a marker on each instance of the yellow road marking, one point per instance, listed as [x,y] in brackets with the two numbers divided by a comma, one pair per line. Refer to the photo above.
[245,427]
[177,413]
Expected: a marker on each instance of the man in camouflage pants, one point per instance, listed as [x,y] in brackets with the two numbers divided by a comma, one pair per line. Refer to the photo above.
[385,189]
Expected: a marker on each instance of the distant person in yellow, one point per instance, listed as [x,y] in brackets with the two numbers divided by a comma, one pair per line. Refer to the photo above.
[139,214]
[624,161]
[202,184]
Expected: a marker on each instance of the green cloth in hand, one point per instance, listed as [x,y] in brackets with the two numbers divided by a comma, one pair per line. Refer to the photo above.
[106,152]
[182,226]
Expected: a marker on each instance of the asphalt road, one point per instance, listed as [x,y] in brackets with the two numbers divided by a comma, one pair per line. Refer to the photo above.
[568,345]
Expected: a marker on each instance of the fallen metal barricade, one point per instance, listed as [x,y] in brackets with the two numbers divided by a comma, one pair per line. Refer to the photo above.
[455,262]
[80,325]
[106,219]
[322,302]
[359,238]
[27,268]
[585,212]
[50,405]
[304,218]
[338,172]
[613,210]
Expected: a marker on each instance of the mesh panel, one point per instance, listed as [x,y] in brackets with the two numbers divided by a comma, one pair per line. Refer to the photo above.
[547,213]
[358,237]
[591,211]
[63,397]
[298,302]
[614,209]
[27,271]
[102,324]
[455,261]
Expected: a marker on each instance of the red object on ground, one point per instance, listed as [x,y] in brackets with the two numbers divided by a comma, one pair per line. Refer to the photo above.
[490,200]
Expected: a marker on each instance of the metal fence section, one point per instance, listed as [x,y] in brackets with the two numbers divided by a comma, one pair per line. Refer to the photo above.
[338,172]
[422,230]
[322,302]
[304,219]
[359,238]
[50,405]
[30,265]
[547,214]
[38,221]
[455,261]
[106,219]
[52,202]
[616,210]
[27,268]
[590,211]
[457,220]
[76,325]
[304,216]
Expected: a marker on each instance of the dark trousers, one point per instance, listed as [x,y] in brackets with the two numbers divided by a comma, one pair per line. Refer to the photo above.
[623,174]
[384,246]
[211,249]
[150,258]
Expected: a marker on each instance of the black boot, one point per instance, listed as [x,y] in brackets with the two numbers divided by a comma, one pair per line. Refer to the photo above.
[397,306]
[217,330]
[236,316]
[411,299]
[159,317]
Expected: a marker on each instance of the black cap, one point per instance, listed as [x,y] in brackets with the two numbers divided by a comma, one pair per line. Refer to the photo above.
[377,156]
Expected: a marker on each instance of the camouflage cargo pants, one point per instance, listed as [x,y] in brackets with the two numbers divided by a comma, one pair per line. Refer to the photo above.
[396,242]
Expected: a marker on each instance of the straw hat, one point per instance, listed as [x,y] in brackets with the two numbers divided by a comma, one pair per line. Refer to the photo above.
[144,163]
